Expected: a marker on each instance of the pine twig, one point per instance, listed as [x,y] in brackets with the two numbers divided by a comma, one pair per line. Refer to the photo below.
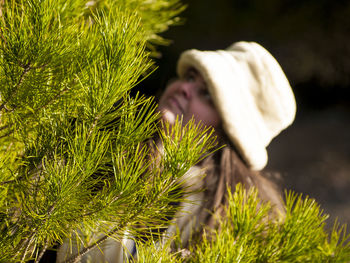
[27,115]
[4,127]
[7,134]
[42,253]
[76,257]
[8,182]
[26,69]
[1,34]
[53,99]
[27,244]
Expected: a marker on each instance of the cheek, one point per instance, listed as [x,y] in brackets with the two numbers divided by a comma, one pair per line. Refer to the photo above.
[167,92]
[167,112]
[207,114]
[214,119]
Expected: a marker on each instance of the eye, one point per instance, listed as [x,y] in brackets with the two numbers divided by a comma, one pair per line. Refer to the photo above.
[190,76]
[204,93]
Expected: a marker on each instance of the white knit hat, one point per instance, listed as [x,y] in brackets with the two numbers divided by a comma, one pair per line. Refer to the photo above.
[251,94]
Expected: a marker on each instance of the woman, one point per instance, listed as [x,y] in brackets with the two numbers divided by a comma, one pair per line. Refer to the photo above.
[244,95]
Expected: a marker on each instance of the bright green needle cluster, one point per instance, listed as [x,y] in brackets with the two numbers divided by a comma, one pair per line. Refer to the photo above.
[248,233]
[74,153]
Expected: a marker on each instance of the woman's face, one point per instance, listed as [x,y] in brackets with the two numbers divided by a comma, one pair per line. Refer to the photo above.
[189,97]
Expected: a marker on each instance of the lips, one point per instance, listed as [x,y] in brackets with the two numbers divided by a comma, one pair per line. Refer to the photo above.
[176,103]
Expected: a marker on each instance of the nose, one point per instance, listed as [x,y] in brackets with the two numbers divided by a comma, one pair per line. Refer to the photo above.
[186,89]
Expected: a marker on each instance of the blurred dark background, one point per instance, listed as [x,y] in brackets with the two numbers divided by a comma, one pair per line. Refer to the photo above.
[311,41]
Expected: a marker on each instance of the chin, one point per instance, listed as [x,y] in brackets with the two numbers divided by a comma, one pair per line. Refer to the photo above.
[168,116]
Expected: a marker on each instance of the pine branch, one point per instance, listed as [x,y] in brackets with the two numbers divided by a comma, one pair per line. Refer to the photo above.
[63,47]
